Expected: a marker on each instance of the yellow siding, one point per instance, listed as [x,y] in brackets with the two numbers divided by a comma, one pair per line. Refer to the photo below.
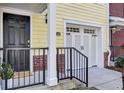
[95,13]
[39,31]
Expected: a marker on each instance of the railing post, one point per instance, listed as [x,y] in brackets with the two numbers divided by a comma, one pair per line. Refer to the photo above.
[6,60]
[71,63]
[44,66]
[86,72]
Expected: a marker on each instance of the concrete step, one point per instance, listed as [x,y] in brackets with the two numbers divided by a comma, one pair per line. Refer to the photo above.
[62,85]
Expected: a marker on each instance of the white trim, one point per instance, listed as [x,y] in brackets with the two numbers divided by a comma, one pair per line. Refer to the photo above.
[97,40]
[103,4]
[108,35]
[45,11]
[100,57]
[1,38]
[18,12]
[31,57]
[115,21]
[84,22]
[65,33]
[1,43]
[114,18]
[99,52]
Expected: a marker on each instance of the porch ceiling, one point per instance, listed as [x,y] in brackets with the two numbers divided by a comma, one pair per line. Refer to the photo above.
[33,7]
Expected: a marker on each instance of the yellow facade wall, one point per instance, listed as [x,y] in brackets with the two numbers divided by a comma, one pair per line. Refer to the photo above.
[95,13]
[39,31]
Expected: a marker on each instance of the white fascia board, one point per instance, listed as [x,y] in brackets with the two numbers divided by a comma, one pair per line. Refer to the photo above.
[113,18]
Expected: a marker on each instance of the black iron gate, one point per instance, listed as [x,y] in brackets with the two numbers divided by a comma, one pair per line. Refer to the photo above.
[28,69]
[71,63]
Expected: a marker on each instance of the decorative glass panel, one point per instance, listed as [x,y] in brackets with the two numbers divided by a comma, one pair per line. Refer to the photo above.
[89,31]
[72,29]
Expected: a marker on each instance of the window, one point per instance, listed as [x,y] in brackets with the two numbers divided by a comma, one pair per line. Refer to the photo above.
[72,29]
[89,31]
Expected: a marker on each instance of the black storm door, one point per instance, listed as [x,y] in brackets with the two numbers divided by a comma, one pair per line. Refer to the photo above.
[16,34]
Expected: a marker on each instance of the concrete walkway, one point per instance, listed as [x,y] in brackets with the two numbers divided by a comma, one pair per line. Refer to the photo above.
[105,79]
[99,78]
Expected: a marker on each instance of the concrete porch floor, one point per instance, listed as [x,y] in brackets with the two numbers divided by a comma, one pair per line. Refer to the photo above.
[100,78]
[105,79]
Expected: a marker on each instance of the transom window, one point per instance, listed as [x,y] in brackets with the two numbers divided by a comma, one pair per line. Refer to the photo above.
[72,29]
[89,31]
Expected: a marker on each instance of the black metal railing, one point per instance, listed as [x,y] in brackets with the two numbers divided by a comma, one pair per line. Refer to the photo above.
[71,63]
[28,65]
[116,51]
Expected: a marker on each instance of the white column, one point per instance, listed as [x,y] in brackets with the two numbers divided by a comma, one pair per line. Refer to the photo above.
[1,43]
[51,65]
[108,35]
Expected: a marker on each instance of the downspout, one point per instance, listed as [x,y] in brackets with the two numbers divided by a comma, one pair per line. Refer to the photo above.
[108,35]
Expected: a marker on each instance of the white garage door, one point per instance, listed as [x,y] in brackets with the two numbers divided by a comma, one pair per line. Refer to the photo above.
[85,41]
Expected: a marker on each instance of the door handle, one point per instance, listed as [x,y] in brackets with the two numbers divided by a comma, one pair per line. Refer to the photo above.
[28,45]
[28,41]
